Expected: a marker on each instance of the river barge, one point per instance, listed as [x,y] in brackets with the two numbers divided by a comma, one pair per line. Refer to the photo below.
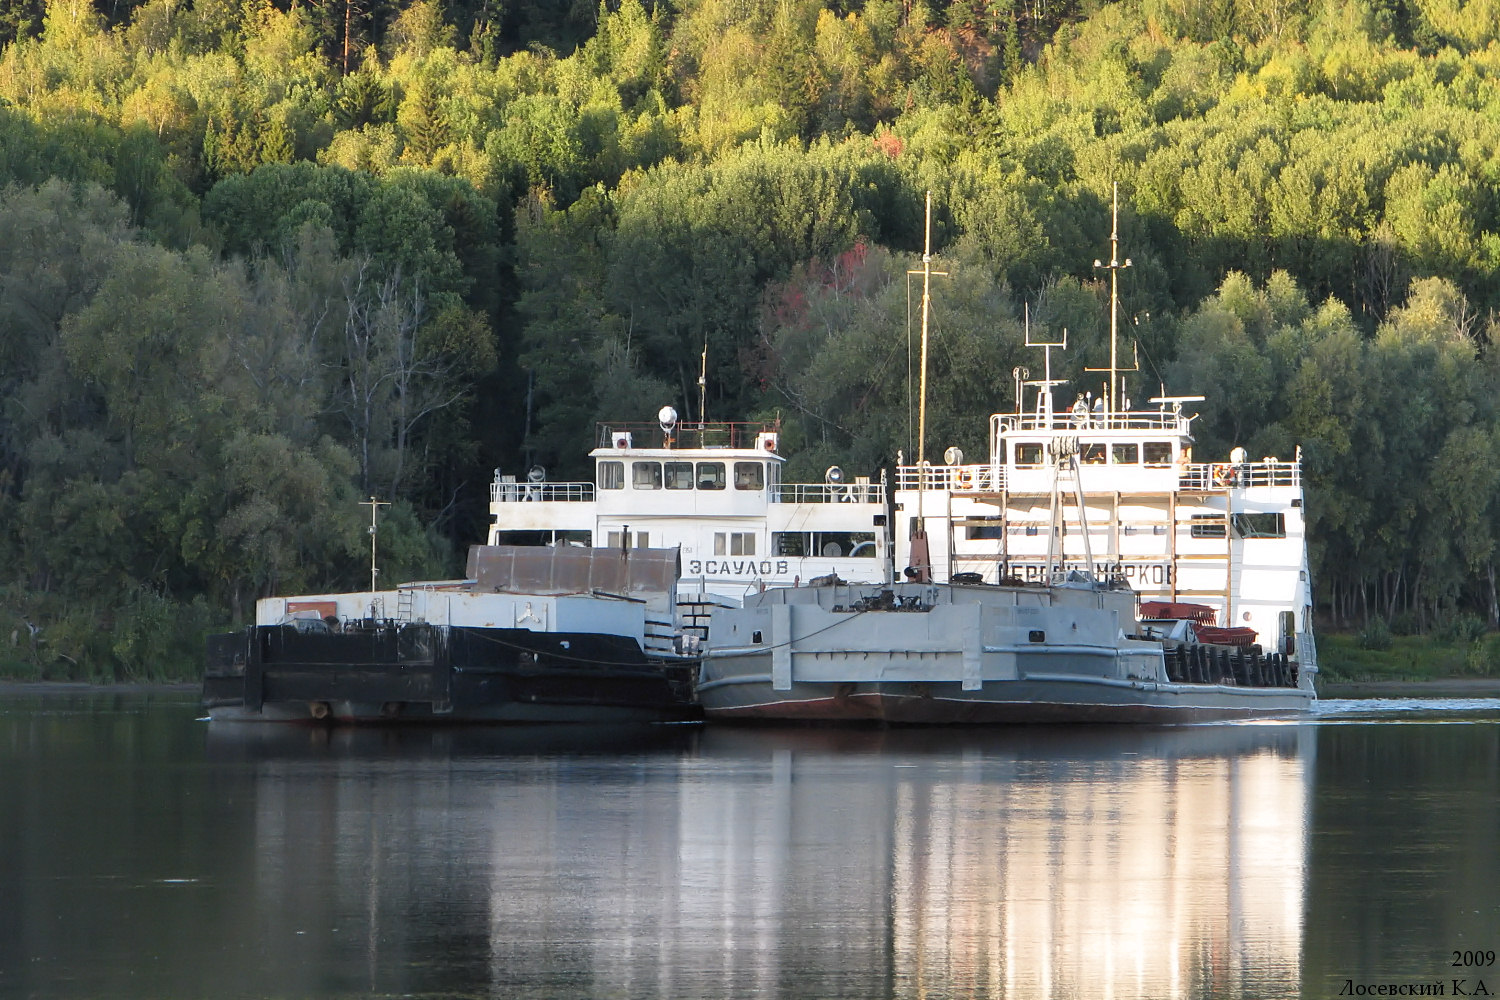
[532,635]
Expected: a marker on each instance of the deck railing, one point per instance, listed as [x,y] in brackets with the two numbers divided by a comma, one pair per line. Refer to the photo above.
[784,493]
[539,492]
[828,493]
[1207,476]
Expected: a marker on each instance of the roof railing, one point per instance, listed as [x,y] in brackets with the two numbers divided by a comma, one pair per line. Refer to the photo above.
[715,434]
[1170,421]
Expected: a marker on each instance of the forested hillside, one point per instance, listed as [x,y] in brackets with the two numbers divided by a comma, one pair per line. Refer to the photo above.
[260,261]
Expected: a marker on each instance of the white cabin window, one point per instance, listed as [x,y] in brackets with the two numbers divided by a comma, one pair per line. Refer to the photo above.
[734,543]
[1125,454]
[833,544]
[611,475]
[749,475]
[1091,454]
[543,537]
[985,527]
[679,475]
[710,475]
[646,475]
[1260,524]
[633,539]
[1208,526]
[1029,453]
[1157,452]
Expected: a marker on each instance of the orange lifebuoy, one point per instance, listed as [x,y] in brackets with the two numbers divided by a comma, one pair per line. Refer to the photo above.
[964,479]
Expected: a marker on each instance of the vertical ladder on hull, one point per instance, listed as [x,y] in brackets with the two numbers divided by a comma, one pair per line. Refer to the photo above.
[404,602]
[1065,466]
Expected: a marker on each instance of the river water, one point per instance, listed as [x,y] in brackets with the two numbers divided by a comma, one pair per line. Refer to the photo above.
[147,853]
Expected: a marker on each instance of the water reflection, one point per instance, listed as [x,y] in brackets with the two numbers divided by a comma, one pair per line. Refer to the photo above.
[1030,863]
[1020,863]
[155,856]
[1027,863]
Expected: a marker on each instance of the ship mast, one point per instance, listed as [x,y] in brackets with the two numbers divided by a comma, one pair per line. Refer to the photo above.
[921,557]
[926,309]
[703,388]
[1115,265]
[374,506]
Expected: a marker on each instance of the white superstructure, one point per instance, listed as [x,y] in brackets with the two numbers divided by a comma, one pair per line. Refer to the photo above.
[1228,535]
[716,491]
[1114,491]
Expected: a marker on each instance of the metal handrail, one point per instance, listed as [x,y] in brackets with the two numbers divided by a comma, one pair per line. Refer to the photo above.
[525,492]
[716,434]
[1065,420]
[828,493]
[1207,476]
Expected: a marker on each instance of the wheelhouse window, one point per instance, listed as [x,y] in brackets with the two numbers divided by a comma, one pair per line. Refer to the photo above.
[679,475]
[710,475]
[1029,453]
[749,476]
[1157,453]
[611,475]
[646,475]
[1125,454]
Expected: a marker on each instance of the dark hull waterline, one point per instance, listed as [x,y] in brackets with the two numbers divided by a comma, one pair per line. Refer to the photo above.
[431,673]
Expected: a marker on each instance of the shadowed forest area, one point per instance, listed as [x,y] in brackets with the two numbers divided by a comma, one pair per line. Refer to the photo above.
[260,261]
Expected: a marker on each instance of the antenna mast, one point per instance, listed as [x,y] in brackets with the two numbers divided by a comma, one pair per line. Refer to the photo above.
[703,386]
[927,272]
[1044,386]
[1111,393]
[374,505]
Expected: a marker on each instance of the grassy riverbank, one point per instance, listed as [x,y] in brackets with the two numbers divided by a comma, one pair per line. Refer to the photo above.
[21,669]
[1342,659]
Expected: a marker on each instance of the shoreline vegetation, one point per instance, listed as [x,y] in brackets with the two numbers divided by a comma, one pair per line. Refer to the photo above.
[1346,659]
[262,263]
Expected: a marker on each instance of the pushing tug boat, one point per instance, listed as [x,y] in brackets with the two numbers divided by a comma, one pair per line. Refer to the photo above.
[532,635]
[1089,570]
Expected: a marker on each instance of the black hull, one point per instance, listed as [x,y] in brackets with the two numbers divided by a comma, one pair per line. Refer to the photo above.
[386,671]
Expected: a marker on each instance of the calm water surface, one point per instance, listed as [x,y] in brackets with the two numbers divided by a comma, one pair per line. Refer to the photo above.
[146,853]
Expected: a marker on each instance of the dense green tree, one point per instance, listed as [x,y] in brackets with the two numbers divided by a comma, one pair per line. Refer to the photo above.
[1307,195]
